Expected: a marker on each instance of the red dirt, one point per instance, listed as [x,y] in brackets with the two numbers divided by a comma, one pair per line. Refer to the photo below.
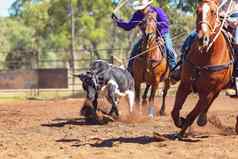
[54,130]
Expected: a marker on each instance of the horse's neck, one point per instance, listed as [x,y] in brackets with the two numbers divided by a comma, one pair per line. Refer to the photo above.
[221,48]
[217,54]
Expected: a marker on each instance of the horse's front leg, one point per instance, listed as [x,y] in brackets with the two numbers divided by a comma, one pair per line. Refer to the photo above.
[165,91]
[183,91]
[201,106]
[152,110]
[144,97]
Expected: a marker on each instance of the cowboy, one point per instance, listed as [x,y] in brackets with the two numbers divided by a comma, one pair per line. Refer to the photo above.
[142,8]
[233,24]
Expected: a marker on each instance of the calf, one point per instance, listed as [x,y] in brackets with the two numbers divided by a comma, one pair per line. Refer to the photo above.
[114,82]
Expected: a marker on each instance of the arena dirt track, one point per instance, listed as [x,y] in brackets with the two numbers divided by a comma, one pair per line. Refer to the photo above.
[54,130]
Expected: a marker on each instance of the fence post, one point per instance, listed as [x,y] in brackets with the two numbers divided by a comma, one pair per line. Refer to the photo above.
[72,49]
[113,43]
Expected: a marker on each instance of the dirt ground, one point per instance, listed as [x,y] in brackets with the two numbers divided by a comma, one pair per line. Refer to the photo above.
[54,130]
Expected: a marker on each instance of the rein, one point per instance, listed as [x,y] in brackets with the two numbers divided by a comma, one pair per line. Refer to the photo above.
[221,26]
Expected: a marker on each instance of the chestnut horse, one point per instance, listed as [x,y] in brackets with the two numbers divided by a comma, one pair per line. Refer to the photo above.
[151,67]
[207,68]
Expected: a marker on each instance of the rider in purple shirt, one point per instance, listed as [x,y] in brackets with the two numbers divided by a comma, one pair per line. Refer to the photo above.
[138,16]
[142,7]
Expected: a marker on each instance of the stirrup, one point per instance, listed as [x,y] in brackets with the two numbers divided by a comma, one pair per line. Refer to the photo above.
[233,92]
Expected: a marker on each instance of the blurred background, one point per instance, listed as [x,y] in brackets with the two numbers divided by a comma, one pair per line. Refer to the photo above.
[66,35]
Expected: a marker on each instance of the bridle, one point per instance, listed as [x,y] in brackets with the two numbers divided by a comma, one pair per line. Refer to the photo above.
[217,23]
[212,29]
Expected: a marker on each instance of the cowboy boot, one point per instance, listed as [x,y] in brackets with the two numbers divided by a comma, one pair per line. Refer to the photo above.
[175,75]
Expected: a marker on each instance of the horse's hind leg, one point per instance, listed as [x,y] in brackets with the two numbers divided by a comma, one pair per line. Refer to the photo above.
[202,118]
[144,97]
[165,91]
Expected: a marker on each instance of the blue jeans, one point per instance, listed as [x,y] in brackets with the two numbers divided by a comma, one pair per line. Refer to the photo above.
[234,17]
[235,40]
[171,55]
[188,43]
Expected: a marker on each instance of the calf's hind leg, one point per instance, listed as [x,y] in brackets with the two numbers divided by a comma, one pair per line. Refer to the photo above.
[131,99]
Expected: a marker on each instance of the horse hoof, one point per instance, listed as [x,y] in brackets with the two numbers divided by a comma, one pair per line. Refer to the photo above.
[202,120]
[180,123]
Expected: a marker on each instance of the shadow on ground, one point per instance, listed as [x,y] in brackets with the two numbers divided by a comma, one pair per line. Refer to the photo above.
[75,121]
[107,143]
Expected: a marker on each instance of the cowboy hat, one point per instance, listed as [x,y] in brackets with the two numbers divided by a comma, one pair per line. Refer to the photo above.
[141,4]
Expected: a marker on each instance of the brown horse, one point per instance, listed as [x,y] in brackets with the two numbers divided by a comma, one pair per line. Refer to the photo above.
[151,67]
[205,70]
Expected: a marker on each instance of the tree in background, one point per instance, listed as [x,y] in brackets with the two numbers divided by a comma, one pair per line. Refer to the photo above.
[16,39]
[49,22]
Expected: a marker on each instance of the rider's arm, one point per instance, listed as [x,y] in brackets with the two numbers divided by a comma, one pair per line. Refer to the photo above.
[132,23]
[162,20]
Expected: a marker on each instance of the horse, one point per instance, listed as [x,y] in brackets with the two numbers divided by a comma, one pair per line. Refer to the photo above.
[151,67]
[207,68]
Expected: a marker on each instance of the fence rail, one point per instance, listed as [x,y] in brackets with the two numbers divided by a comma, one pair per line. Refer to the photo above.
[82,60]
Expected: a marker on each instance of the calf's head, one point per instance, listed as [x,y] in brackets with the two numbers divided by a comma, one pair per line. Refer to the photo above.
[89,85]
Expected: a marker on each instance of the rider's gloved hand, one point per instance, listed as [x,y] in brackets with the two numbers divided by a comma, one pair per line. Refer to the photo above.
[114,17]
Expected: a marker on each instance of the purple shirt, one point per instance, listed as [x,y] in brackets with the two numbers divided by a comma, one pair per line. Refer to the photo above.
[137,18]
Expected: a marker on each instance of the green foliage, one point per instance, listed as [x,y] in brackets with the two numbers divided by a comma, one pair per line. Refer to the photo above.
[45,26]
[18,43]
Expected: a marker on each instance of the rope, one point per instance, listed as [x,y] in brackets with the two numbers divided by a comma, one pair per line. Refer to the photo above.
[142,53]
[223,22]
[120,5]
